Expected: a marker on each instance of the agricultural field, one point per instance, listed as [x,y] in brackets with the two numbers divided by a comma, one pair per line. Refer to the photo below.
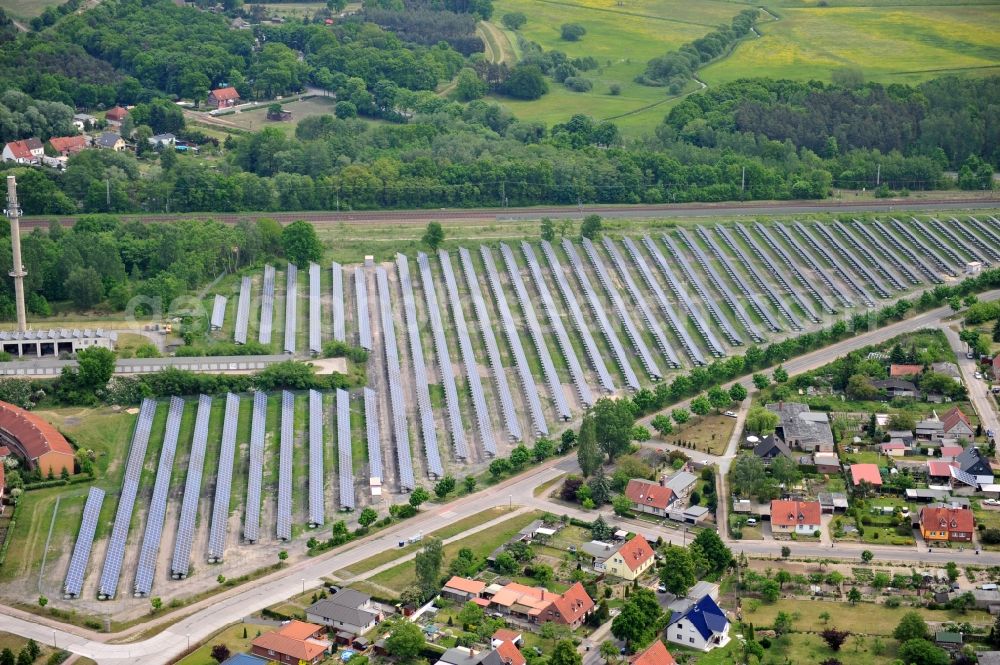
[256,119]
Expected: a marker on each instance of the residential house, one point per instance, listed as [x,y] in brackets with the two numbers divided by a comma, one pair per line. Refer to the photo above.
[771,447]
[949,453]
[163,140]
[347,611]
[649,497]
[938,473]
[222,98]
[631,560]
[682,484]
[801,428]
[930,431]
[519,600]
[702,626]
[866,473]
[506,635]
[894,388]
[897,371]
[110,141]
[656,654]
[948,369]
[68,145]
[904,435]
[826,462]
[570,608]
[947,523]
[115,116]
[26,151]
[239,24]
[505,654]
[294,642]
[893,448]
[798,517]
[84,121]
[599,552]
[975,464]
[957,425]
[462,590]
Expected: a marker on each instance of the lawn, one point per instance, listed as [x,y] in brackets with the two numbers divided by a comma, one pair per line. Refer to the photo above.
[710,434]
[399,577]
[26,8]
[893,44]
[231,636]
[301,109]
[15,643]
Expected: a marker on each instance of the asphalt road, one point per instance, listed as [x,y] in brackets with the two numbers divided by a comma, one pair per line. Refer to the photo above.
[985,405]
[420,217]
[208,616]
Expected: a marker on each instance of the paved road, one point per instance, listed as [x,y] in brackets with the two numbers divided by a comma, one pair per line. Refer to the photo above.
[979,393]
[421,217]
[208,616]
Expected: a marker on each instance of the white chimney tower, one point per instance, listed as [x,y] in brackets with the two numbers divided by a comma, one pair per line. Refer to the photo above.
[17,271]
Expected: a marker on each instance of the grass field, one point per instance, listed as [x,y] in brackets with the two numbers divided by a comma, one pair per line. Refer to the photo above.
[256,119]
[26,9]
[710,434]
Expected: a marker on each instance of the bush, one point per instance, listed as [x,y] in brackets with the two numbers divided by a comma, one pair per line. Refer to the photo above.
[614,89]
[572,32]
[578,84]
[991,536]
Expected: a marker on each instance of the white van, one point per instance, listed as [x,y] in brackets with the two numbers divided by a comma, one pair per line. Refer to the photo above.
[988,587]
[753,522]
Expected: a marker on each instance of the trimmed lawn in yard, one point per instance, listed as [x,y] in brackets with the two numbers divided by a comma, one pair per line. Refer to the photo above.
[231,636]
[710,434]
[866,618]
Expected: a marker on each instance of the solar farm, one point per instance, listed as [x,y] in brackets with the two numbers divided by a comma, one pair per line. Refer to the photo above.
[472,351]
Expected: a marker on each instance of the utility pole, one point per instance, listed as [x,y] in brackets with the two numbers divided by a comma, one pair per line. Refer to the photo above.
[107,195]
[17,269]
[743,180]
[503,193]
[878,175]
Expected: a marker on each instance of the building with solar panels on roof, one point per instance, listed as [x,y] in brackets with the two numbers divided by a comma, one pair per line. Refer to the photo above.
[52,343]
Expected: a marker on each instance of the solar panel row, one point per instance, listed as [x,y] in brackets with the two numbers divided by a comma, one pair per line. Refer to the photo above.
[579,322]
[255,476]
[855,262]
[364,318]
[973,239]
[492,348]
[181,561]
[786,263]
[923,248]
[315,336]
[445,366]
[422,386]
[108,585]
[468,357]
[266,306]
[535,330]
[820,250]
[674,321]
[286,442]
[990,232]
[157,514]
[339,328]
[887,255]
[344,458]
[374,438]
[84,543]
[808,259]
[905,251]
[243,311]
[557,328]
[962,243]
[317,514]
[291,298]
[397,401]
[223,481]
[218,312]
[933,237]
[603,323]
[861,250]
[528,389]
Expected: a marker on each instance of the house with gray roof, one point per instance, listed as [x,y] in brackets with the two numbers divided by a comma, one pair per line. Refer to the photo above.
[801,428]
[346,611]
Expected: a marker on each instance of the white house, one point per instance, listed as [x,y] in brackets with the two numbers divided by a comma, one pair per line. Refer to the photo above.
[347,611]
[702,626]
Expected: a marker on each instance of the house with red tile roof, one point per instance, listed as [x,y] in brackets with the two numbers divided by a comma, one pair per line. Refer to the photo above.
[295,642]
[799,517]
[649,497]
[509,653]
[115,115]
[26,151]
[222,98]
[656,654]
[570,609]
[68,145]
[35,441]
[957,425]
[462,589]
[866,472]
[898,371]
[945,523]
[631,560]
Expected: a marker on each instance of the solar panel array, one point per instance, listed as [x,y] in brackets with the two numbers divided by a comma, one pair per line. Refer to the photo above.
[422,387]
[932,236]
[364,318]
[223,481]
[853,260]
[374,436]
[844,275]
[455,425]
[557,328]
[218,312]
[748,266]
[990,232]
[180,563]
[266,306]
[603,323]
[397,402]
[862,250]
[703,293]
[255,477]
[720,285]
[315,338]
[905,251]
[674,321]
[84,543]
[291,296]
[973,239]
[535,330]
[964,244]
[922,247]
[579,322]
[806,257]
[108,586]
[631,331]
[787,264]
[339,328]
[317,514]
[157,514]
[286,441]
[243,311]
[344,458]
[714,347]
[468,356]
[492,348]
[887,255]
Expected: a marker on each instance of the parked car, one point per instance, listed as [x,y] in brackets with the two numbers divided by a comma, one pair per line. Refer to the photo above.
[731,414]
[662,588]
[752,521]
[978,375]
[991,502]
